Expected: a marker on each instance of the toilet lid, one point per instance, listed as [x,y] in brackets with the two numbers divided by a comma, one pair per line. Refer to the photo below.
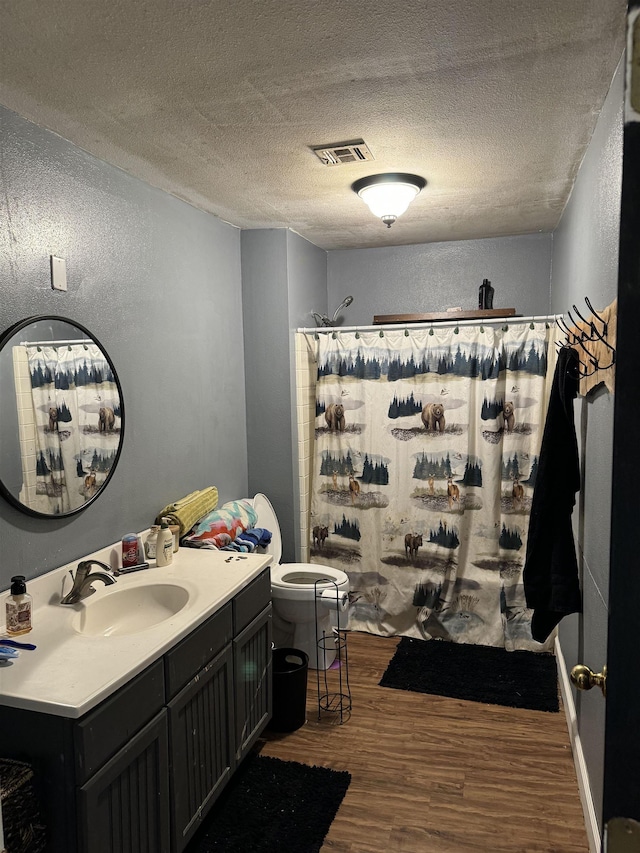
[267,518]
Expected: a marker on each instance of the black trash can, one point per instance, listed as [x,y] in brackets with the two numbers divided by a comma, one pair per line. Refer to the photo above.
[290,667]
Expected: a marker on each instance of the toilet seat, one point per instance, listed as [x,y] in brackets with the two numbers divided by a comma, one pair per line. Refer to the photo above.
[268,519]
[305,578]
[298,579]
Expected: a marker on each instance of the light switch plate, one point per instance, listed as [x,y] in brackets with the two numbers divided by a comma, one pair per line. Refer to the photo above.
[58,273]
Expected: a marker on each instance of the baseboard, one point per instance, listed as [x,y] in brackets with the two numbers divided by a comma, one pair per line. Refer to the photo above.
[590,819]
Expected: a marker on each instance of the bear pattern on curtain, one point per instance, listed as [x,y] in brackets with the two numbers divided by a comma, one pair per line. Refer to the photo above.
[76,406]
[425,460]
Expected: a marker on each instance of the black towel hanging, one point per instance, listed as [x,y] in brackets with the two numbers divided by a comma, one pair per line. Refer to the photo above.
[551,583]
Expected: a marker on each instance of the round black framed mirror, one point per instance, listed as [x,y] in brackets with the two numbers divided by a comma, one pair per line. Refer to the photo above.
[61,417]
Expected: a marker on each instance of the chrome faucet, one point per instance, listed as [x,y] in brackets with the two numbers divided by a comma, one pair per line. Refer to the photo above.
[83,580]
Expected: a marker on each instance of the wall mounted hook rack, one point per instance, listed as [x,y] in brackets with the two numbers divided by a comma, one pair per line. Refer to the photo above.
[594,338]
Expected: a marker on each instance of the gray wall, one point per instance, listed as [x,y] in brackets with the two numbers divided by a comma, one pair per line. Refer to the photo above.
[585,263]
[437,276]
[265,304]
[306,280]
[159,284]
[283,280]
[307,286]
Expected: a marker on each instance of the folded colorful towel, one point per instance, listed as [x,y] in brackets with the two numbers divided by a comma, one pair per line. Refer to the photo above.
[215,543]
[188,510]
[232,518]
[249,540]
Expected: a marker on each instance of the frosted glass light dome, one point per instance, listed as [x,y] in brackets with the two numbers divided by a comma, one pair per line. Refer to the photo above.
[388,196]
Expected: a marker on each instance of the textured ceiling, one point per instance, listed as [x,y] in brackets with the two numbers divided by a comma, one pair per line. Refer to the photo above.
[492,101]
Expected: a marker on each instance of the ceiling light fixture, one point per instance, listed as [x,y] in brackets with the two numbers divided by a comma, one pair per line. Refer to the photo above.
[389,195]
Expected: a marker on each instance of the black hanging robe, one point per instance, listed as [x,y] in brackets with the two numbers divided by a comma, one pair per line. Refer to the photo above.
[551,584]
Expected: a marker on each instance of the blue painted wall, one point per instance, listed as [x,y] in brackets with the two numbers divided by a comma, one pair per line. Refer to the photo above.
[437,276]
[307,287]
[585,263]
[283,279]
[159,284]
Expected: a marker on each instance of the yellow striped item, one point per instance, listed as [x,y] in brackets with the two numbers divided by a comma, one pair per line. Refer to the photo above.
[189,509]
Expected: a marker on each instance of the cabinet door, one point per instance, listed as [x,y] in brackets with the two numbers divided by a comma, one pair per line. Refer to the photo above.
[252,665]
[201,745]
[125,805]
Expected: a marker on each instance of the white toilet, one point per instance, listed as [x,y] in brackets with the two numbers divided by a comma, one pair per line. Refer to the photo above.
[309,600]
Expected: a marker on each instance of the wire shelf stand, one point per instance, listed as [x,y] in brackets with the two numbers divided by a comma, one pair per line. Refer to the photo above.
[334,691]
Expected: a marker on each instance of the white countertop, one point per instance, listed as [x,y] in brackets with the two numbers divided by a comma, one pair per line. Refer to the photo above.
[69,673]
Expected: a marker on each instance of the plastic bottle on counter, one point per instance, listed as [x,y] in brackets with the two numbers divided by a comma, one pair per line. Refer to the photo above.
[175,532]
[151,541]
[164,545]
[18,607]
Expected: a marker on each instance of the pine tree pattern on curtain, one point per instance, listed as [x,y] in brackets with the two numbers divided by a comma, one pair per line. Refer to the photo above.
[425,459]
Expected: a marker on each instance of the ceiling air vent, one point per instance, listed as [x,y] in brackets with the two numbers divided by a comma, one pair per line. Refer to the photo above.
[343,152]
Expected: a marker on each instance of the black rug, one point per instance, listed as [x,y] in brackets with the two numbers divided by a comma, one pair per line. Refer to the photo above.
[273,806]
[495,676]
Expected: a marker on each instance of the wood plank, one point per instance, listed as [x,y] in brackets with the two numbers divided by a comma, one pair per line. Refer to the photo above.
[435,774]
[478,314]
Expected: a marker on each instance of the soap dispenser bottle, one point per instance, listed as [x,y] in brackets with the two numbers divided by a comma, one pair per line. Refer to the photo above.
[18,607]
[164,545]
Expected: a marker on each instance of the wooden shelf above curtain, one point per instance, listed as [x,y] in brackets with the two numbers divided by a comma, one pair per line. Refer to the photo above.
[479,314]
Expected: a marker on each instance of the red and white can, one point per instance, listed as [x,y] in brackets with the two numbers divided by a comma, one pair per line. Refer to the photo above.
[129,550]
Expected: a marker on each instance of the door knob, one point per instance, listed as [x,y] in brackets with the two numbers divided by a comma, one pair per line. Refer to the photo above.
[584,678]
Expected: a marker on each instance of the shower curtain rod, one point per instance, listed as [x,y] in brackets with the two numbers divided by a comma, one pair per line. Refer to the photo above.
[56,343]
[511,320]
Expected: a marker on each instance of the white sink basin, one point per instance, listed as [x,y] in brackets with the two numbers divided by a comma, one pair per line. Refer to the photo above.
[131,610]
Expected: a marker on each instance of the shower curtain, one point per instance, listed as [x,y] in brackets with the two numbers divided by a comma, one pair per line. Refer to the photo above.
[76,408]
[424,463]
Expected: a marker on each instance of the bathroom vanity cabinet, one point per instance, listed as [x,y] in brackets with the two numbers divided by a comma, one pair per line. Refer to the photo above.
[140,771]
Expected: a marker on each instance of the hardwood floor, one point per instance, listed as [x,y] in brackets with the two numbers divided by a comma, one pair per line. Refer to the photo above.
[437,775]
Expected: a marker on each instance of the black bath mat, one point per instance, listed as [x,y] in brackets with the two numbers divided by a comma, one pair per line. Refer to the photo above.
[272,806]
[495,676]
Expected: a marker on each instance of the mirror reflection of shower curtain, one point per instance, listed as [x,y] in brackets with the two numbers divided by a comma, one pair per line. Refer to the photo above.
[424,461]
[76,424]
